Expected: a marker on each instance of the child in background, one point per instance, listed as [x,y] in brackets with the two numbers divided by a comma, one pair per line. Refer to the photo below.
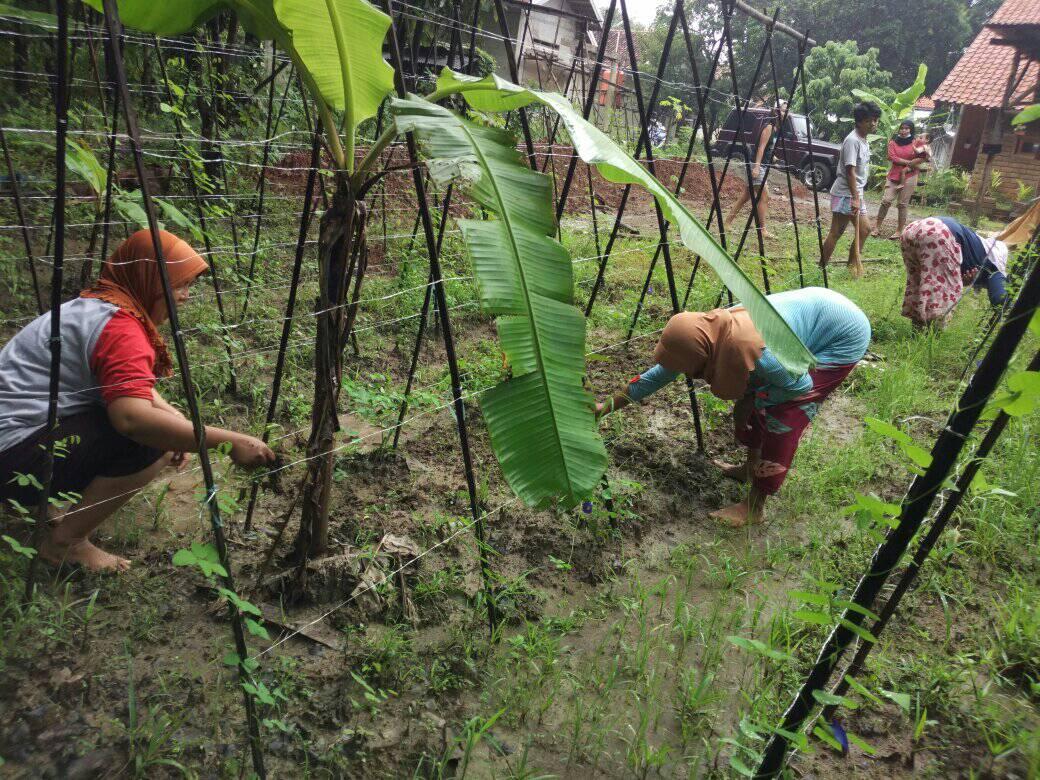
[847,202]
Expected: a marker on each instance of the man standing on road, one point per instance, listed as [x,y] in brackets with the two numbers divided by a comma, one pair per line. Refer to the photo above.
[848,203]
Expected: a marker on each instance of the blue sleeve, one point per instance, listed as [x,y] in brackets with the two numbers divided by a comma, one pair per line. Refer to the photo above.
[649,382]
[773,384]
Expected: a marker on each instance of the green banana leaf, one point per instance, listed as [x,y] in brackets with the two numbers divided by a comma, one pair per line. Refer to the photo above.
[905,100]
[614,164]
[1027,115]
[541,420]
[163,18]
[340,42]
[173,17]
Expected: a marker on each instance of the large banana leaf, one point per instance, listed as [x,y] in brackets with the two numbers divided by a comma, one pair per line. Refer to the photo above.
[541,421]
[338,42]
[341,44]
[173,17]
[614,164]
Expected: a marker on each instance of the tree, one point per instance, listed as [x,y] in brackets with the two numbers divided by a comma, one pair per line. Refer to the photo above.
[833,71]
[905,34]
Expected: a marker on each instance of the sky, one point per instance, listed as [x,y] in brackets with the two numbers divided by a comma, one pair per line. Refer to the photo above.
[640,11]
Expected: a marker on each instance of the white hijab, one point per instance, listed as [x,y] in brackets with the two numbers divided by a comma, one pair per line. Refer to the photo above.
[997,253]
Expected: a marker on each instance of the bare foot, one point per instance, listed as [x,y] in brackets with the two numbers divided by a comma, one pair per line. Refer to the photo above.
[736,515]
[739,473]
[895,236]
[875,233]
[83,553]
[768,236]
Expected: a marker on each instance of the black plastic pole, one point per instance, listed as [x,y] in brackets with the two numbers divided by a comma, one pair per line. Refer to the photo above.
[701,125]
[216,522]
[742,109]
[110,174]
[473,27]
[915,505]
[935,530]
[551,140]
[290,310]
[590,99]
[424,314]
[812,159]
[258,210]
[200,211]
[514,74]
[783,150]
[26,239]
[769,169]
[644,138]
[61,122]
[449,339]
[645,115]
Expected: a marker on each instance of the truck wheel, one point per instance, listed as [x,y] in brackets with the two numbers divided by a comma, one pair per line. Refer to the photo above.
[816,175]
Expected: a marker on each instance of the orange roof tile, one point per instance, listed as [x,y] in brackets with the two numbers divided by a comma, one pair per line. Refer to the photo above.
[1016,12]
[924,103]
[980,76]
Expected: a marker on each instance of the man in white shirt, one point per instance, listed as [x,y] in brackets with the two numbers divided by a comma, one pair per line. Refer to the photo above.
[847,193]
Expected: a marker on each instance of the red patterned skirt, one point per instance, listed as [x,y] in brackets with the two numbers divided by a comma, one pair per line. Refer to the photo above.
[934,283]
[776,430]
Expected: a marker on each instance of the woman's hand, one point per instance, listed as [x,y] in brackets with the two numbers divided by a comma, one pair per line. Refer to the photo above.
[179,461]
[250,452]
[618,401]
[755,171]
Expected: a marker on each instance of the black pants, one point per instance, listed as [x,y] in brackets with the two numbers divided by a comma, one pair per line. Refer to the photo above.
[86,446]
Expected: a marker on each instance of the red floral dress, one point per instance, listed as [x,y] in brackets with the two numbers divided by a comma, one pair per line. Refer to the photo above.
[934,282]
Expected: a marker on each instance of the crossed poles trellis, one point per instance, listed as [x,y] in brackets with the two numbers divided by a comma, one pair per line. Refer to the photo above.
[919,497]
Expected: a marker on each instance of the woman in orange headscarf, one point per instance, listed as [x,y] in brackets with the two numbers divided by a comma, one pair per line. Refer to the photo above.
[772,407]
[115,432]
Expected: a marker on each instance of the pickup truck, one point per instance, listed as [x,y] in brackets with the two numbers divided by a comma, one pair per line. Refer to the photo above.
[816,170]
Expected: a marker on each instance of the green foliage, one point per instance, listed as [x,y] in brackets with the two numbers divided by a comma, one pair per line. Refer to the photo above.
[1027,115]
[337,45]
[202,556]
[340,44]
[525,278]
[833,72]
[896,109]
[615,165]
[1020,398]
[944,186]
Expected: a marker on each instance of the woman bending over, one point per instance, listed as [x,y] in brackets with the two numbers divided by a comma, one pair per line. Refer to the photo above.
[772,408]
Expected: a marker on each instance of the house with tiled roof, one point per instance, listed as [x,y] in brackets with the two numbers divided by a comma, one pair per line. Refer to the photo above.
[554,40]
[997,75]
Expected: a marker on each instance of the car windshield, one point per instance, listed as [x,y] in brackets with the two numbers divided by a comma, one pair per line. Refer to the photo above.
[801,125]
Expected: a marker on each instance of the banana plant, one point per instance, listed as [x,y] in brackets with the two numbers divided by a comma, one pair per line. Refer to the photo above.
[540,418]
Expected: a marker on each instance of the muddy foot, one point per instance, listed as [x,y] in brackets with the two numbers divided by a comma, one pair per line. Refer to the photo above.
[83,553]
[736,515]
[739,473]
